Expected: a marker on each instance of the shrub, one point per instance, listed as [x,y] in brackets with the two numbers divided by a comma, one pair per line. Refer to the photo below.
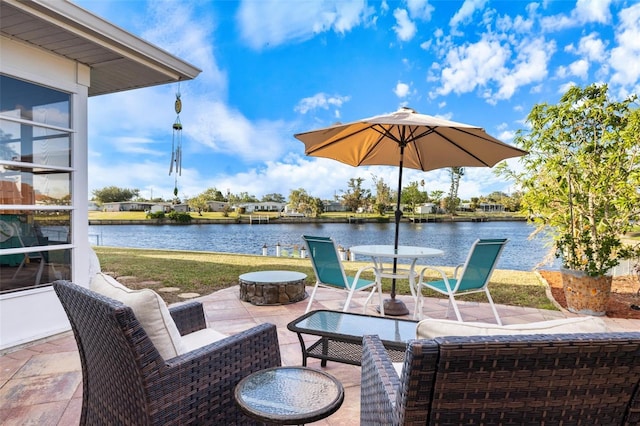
[155,215]
[180,217]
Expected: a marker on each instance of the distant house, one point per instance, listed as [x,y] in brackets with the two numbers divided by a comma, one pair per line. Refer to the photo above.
[161,207]
[263,207]
[180,208]
[217,206]
[333,206]
[92,206]
[427,208]
[490,207]
[482,207]
[128,206]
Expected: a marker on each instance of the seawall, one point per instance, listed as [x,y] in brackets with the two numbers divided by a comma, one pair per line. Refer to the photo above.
[274,221]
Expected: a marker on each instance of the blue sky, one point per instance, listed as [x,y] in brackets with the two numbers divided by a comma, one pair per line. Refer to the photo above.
[273,68]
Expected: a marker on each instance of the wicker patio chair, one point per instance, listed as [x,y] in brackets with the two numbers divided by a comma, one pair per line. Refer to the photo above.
[577,379]
[126,381]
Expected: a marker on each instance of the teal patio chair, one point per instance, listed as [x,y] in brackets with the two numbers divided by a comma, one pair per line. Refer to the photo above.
[329,272]
[473,278]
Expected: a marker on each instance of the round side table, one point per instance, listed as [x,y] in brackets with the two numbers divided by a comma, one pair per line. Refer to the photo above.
[289,395]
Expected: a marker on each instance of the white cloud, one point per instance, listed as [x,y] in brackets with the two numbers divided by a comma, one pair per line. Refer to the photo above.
[401,90]
[425,45]
[530,66]
[593,48]
[592,11]
[519,24]
[420,9]
[272,22]
[580,68]
[177,28]
[466,11]
[625,57]
[487,65]
[586,11]
[137,145]
[404,28]
[566,86]
[228,131]
[144,175]
[320,100]
[472,65]
[506,135]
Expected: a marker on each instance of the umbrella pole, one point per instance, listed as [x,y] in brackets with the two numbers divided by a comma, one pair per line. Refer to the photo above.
[394,306]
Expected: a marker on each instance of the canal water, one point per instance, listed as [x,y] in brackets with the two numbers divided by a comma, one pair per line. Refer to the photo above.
[454,238]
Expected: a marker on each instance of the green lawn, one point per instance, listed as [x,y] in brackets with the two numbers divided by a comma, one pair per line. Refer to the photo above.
[206,272]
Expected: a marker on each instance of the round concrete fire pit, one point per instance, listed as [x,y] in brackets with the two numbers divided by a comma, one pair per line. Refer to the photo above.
[272,287]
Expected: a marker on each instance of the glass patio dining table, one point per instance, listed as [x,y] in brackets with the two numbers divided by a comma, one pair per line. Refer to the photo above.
[385,252]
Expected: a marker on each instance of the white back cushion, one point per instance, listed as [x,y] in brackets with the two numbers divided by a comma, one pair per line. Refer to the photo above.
[94,264]
[150,310]
[431,327]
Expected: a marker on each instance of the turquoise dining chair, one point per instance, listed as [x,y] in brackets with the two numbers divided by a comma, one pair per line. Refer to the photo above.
[473,278]
[329,272]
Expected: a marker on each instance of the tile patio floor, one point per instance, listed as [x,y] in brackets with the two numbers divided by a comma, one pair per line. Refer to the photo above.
[41,384]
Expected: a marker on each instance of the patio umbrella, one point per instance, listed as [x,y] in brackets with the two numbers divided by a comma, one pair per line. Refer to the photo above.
[406,139]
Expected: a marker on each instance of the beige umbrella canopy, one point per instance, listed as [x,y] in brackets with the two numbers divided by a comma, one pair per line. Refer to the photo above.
[407,139]
[429,143]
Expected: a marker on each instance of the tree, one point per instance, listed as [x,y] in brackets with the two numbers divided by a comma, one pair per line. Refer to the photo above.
[113,194]
[513,202]
[273,198]
[412,196]
[198,203]
[213,194]
[475,202]
[581,176]
[317,206]
[383,195]
[300,201]
[436,196]
[245,197]
[456,174]
[356,196]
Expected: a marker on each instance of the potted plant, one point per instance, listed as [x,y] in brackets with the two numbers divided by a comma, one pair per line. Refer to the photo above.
[581,180]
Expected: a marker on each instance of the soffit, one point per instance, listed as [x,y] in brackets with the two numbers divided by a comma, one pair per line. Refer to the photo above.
[118,60]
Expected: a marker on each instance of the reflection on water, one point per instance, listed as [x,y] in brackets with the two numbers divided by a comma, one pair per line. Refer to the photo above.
[454,239]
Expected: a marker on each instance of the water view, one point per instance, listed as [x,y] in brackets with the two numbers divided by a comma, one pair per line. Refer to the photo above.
[455,239]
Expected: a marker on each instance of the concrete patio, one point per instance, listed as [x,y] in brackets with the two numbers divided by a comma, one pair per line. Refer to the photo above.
[42,383]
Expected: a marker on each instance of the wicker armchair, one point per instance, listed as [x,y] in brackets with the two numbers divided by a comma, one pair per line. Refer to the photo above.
[126,381]
[529,379]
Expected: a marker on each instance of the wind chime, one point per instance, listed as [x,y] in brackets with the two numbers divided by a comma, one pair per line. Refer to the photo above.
[176,144]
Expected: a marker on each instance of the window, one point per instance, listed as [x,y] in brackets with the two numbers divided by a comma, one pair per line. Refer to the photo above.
[35,185]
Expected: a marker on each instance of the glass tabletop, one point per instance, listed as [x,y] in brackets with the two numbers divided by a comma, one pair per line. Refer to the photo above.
[295,394]
[401,252]
[356,325]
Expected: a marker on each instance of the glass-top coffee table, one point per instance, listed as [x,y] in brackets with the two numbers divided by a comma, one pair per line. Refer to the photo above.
[341,335]
[289,395]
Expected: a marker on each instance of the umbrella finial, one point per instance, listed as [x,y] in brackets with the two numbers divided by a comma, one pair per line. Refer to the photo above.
[407,109]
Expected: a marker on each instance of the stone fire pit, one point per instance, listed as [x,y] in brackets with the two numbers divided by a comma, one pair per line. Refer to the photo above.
[272,287]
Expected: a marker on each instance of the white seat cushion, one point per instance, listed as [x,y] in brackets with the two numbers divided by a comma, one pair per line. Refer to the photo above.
[398,366]
[431,327]
[200,338]
[150,310]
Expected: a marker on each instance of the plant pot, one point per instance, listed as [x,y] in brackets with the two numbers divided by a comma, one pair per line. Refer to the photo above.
[584,294]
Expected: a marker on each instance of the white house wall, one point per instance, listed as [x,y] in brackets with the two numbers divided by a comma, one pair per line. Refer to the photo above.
[32,314]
